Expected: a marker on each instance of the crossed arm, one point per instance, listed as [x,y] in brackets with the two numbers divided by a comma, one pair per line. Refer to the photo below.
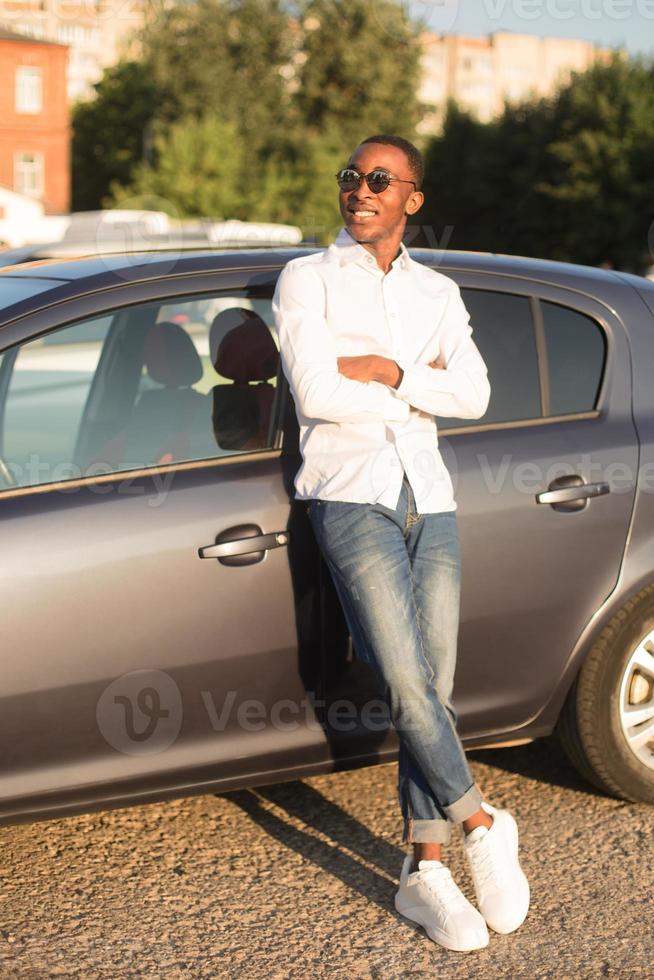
[374,367]
[370,387]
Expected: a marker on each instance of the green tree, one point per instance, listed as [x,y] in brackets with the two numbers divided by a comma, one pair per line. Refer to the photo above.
[299,185]
[457,209]
[358,68]
[223,56]
[255,110]
[565,177]
[111,131]
[600,183]
[197,171]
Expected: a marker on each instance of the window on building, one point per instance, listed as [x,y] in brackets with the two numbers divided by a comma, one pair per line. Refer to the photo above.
[29,89]
[30,29]
[28,174]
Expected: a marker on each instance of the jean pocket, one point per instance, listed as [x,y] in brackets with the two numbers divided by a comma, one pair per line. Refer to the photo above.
[332,513]
[316,510]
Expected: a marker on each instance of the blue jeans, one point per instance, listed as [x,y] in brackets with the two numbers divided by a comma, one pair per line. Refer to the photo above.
[397,576]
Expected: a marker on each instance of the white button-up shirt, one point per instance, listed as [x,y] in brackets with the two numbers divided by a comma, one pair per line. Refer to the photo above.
[357,439]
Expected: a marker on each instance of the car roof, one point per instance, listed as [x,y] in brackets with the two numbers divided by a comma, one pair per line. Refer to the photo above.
[57,279]
[134,265]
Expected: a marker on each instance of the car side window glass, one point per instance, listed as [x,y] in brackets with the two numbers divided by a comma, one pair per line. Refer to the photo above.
[178,380]
[50,381]
[207,381]
[502,329]
[576,349]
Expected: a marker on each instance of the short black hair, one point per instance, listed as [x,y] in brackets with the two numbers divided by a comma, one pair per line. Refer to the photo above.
[411,152]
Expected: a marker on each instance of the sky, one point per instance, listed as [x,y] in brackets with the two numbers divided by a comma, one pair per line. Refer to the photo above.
[614,23]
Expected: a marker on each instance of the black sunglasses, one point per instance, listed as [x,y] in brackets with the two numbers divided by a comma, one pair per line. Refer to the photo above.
[377,180]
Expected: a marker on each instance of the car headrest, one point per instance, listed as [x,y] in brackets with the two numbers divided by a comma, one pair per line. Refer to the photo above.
[170,356]
[242,347]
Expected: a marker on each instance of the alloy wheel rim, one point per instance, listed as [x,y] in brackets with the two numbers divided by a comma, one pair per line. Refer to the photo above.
[637,701]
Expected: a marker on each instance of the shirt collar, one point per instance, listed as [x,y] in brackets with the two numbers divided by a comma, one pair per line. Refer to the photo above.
[347,250]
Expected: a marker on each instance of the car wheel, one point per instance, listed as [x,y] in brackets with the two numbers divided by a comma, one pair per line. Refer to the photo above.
[606,726]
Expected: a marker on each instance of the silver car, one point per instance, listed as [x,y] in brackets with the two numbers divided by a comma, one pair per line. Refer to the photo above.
[169,626]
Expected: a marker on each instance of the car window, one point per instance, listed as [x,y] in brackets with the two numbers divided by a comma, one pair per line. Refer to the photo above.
[48,387]
[575,357]
[153,384]
[503,331]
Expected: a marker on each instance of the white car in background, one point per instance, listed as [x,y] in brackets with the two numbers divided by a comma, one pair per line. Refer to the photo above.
[126,230]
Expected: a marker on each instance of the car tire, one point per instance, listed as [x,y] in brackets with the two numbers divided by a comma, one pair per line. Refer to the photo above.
[594,727]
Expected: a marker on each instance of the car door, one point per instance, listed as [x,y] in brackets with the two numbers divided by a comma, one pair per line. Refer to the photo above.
[545,485]
[533,573]
[157,595]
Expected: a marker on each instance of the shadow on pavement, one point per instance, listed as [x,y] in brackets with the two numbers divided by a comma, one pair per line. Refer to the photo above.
[543,760]
[305,803]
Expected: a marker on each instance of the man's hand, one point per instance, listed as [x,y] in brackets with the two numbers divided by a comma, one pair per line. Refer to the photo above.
[363,367]
[374,367]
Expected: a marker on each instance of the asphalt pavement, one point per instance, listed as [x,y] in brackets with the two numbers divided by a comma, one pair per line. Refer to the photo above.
[297,881]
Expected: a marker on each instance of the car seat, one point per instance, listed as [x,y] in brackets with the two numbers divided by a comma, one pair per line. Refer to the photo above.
[166,418]
[243,351]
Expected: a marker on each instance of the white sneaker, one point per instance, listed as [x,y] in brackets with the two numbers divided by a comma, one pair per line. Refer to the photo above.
[431,898]
[501,885]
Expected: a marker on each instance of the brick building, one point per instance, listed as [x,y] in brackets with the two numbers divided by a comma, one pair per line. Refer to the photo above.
[34,120]
[97,32]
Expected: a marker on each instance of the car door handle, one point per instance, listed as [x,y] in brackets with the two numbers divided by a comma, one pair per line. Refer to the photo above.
[244,544]
[571,493]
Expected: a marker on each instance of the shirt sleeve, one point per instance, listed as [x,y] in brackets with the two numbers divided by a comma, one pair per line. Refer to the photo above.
[309,358]
[462,389]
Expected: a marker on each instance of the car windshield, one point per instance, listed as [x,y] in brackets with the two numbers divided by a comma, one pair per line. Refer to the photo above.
[13,289]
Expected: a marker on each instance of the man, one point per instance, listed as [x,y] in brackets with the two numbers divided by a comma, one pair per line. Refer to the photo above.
[374,346]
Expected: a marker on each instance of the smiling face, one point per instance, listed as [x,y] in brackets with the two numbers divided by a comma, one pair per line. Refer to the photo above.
[374,218]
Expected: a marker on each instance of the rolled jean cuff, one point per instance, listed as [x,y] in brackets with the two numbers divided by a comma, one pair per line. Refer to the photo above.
[465,806]
[426,831]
